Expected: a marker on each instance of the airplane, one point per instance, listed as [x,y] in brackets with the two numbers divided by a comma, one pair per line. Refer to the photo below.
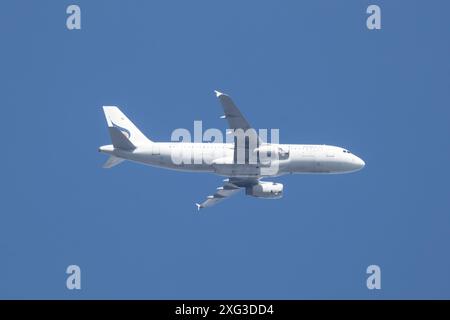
[129,143]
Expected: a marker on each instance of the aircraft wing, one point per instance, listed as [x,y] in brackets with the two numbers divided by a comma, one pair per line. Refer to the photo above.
[227,190]
[234,117]
[230,187]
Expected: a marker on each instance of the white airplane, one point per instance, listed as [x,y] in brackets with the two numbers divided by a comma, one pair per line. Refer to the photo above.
[129,143]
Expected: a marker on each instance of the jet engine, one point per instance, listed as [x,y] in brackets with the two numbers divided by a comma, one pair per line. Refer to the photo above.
[265,189]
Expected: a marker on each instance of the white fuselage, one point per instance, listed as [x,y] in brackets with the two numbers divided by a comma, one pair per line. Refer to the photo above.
[220,158]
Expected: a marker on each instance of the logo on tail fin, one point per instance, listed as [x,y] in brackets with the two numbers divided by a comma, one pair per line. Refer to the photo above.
[125,132]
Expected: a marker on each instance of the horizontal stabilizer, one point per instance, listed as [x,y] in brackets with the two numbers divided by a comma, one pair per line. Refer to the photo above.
[112,161]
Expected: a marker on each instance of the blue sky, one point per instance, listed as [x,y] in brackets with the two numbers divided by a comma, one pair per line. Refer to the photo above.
[310,68]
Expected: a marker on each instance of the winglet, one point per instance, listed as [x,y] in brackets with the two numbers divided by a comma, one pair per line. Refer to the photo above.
[218,93]
[199,206]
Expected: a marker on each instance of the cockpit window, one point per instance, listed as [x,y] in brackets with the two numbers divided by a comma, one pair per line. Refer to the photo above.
[346,151]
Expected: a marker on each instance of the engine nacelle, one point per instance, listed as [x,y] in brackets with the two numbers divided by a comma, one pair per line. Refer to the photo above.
[265,189]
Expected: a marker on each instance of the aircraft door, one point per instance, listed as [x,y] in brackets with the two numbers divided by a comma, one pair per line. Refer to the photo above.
[155,149]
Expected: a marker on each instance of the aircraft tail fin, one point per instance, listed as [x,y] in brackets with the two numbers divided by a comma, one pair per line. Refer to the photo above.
[124,134]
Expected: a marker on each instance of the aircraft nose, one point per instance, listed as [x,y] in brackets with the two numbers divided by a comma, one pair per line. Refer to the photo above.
[359,162]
